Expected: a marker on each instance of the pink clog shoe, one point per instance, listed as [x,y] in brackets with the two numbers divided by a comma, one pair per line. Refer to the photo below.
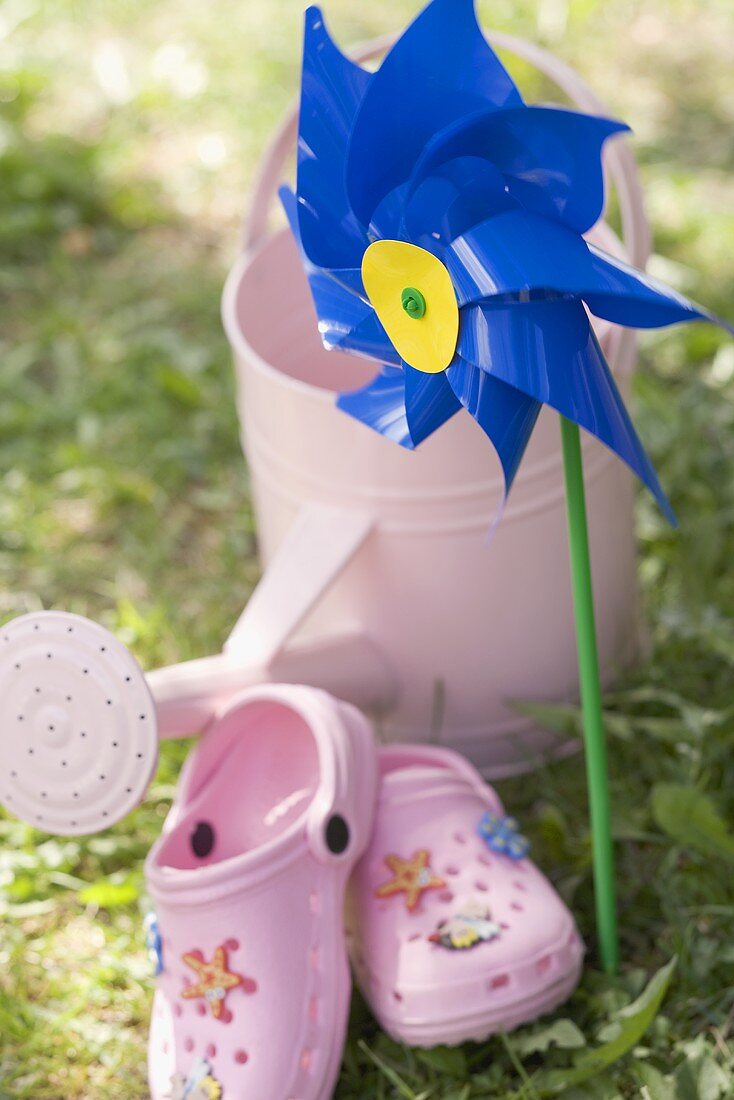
[274,807]
[454,934]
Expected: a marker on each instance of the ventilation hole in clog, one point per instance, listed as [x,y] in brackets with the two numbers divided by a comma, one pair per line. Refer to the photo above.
[240,1057]
[397,996]
[452,869]
[201,1009]
[499,981]
[313,1010]
[211,1050]
[178,1011]
[415,936]
[459,838]
[337,835]
[481,886]
[232,945]
[445,895]
[306,1056]
[543,965]
[484,860]
[517,907]
[188,1044]
[202,839]
[520,886]
[504,926]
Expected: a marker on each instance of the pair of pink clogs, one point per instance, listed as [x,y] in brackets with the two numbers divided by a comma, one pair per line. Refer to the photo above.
[285,807]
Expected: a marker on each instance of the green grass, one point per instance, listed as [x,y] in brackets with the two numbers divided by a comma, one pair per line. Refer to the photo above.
[129,133]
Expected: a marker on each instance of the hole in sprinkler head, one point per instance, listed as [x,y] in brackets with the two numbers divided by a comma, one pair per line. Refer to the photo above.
[202,839]
[49,656]
[103,649]
[83,733]
[337,834]
[127,679]
[85,671]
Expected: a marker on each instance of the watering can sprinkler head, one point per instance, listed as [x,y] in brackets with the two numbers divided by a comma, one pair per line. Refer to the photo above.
[79,726]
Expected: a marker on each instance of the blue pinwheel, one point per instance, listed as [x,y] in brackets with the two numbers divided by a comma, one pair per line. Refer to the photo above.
[438,150]
[441,224]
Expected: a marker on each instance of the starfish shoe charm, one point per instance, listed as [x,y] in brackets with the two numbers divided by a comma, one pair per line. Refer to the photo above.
[215,981]
[411,877]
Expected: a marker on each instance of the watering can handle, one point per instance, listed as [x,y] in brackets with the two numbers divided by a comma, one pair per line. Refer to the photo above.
[620,162]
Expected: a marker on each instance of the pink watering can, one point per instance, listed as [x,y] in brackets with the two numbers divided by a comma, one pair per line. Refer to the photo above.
[379,584]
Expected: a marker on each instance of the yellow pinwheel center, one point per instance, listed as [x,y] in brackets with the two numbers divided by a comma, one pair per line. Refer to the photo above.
[413,296]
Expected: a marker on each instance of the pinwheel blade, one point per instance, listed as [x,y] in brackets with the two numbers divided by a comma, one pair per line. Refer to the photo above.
[440,70]
[381,406]
[549,158]
[448,202]
[504,413]
[332,87]
[522,254]
[548,351]
[346,320]
[429,402]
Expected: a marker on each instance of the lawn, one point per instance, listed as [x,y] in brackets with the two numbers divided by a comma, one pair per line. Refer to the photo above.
[129,133]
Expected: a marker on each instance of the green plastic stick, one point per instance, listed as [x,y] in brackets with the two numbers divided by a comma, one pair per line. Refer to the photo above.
[591,701]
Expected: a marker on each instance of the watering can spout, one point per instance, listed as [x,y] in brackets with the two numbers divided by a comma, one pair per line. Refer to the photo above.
[349,665]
